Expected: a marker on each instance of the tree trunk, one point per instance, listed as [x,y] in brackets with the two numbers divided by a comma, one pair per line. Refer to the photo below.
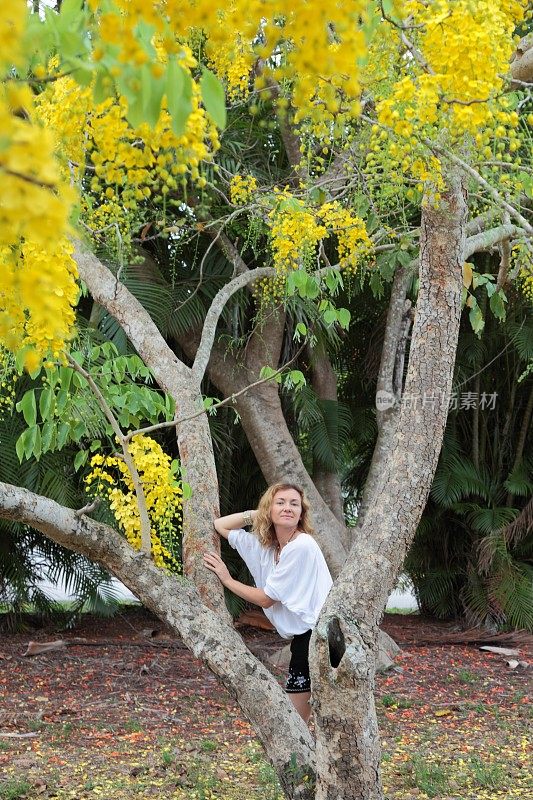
[328,483]
[199,470]
[194,440]
[343,648]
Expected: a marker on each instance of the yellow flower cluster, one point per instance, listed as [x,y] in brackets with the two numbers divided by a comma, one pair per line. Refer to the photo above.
[450,87]
[456,78]
[8,380]
[296,230]
[233,65]
[353,242]
[127,165]
[35,200]
[38,292]
[37,274]
[315,47]
[110,479]
[241,188]
[294,234]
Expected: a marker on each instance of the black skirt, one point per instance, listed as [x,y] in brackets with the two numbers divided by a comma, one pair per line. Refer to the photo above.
[298,679]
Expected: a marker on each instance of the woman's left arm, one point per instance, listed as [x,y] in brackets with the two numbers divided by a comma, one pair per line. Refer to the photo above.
[249,593]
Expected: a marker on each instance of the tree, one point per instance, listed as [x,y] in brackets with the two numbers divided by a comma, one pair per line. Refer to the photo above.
[410,144]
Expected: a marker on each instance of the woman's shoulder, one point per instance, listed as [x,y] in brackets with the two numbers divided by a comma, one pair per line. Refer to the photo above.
[306,541]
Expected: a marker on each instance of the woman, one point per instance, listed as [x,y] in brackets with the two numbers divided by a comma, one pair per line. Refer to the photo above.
[289,571]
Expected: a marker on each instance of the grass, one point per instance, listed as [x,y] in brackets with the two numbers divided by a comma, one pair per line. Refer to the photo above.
[389,701]
[491,776]
[403,611]
[14,788]
[466,676]
[431,779]
[133,725]
[208,745]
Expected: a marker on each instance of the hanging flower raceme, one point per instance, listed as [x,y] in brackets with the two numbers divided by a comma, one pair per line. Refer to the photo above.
[110,479]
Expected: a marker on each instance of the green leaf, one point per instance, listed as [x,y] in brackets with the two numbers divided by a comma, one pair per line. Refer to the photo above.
[48,436]
[269,372]
[63,432]
[330,315]
[36,442]
[61,402]
[19,446]
[496,306]
[135,112]
[490,288]
[80,459]
[28,407]
[376,284]
[344,316]
[332,280]
[65,377]
[297,378]
[386,263]
[20,357]
[32,441]
[479,280]
[78,431]
[476,319]
[187,491]
[175,84]
[404,258]
[83,71]
[152,94]
[213,97]
[312,289]
[301,329]
[103,87]
[45,403]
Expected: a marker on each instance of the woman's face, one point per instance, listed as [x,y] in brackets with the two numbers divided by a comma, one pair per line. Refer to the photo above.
[286,508]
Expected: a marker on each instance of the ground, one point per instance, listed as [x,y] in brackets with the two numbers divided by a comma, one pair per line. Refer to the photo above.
[129,714]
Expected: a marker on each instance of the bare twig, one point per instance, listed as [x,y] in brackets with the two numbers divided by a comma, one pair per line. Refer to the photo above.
[89,508]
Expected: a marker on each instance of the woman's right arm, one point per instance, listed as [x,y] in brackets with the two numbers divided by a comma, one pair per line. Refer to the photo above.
[231,522]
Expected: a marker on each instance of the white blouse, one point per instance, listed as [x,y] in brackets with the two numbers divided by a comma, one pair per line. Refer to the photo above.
[299,582]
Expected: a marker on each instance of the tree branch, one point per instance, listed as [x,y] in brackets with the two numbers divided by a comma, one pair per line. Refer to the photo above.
[171,374]
[228,248]
[146,545]
[487,239]
[213,315]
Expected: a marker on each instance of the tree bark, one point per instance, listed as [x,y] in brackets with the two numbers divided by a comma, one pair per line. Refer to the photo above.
[324,382]
[342,652]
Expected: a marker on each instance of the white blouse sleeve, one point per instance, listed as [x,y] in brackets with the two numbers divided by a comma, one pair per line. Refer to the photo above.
[248,547]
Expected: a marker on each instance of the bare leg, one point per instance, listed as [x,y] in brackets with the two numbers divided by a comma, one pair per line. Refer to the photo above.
[300,701]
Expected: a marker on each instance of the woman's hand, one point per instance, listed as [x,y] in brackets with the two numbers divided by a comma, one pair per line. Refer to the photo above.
[216,565]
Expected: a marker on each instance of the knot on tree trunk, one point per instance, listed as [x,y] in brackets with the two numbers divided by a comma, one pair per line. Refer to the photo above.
[337,645]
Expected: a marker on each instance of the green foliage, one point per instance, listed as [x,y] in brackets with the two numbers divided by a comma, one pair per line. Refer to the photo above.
[64,410]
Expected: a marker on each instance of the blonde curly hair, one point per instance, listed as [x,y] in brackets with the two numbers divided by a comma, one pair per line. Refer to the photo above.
[263,527]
